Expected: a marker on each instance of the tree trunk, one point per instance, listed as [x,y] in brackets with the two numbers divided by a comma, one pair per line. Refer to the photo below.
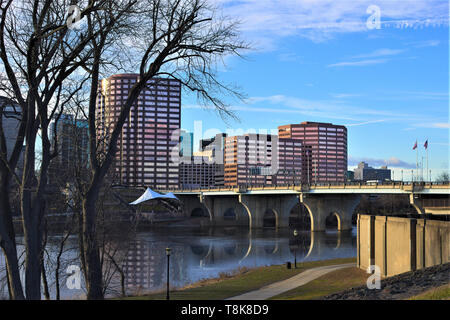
[33,243]
[43,271]
[93,269]
[8,241]
[33,262]
[33,207]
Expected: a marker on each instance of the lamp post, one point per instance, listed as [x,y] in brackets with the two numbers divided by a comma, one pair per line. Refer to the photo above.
[168,261]
[295,248]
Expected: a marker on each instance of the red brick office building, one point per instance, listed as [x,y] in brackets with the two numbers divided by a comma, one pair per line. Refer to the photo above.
[260,159]
[328,144]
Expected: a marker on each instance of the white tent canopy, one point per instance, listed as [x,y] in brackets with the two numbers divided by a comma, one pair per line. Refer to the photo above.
[149,194]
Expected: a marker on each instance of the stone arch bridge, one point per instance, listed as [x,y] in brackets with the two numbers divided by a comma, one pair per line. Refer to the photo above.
[253,206]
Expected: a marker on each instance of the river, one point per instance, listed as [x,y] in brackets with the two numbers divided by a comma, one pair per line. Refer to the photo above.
[195,254]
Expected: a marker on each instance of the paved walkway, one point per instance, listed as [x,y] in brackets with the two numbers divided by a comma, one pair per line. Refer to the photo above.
[291,283]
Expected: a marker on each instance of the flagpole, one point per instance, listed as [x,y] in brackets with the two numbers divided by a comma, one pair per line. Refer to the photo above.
[421,169]
[428,178]
[417,164]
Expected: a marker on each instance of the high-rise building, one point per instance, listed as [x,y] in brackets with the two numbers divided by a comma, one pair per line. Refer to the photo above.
[148,146]
[198,173]
[212,151]
[260,159]
[350,176]
[72,137]
[248,159]
[328,144]
[294,162]
[364,173]
[186,144]
[11,115]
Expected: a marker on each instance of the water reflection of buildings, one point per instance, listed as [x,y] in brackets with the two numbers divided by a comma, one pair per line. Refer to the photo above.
[145,266]
[198,257]
[142,263]
[278,249]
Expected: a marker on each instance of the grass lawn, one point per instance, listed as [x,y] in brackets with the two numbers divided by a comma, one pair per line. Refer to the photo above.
[439,293]
[244,280]
[332,282]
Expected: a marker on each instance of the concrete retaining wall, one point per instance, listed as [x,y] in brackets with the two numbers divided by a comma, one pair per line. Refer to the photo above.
[432,242]
[365,248]
[398,245]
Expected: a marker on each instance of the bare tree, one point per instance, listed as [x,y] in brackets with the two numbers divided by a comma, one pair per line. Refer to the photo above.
[38,53]
[444,177]
[176,39]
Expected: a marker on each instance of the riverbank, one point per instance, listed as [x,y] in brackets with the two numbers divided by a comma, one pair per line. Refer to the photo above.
[346,283]
[239,282]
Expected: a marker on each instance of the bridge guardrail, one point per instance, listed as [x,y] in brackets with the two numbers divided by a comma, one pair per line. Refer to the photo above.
[407,186]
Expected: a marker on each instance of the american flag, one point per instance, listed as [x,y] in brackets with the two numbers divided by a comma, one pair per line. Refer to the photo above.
[415,146]
[426,144]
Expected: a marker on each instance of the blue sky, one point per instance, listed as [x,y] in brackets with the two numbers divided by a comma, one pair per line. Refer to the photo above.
[323,61]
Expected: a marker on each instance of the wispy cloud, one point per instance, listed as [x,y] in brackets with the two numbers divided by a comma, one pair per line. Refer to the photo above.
[345,95]
[322,110]
[365,123]
[281,109]
[380,53]
[332,108]
[426,95]
[442,125]
[264,21]
[436,125]
[360,63]
[369,58]
[392,162]
[424,44]
[346,111]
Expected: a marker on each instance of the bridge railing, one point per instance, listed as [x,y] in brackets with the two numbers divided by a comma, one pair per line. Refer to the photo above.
[321,185]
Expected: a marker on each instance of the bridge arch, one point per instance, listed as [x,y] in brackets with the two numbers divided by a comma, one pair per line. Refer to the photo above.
[333,220]
[271,248]
[305,212]
[247,210]
[249,247]
[270,219]
[300,244]
[299,217]
[201,252]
